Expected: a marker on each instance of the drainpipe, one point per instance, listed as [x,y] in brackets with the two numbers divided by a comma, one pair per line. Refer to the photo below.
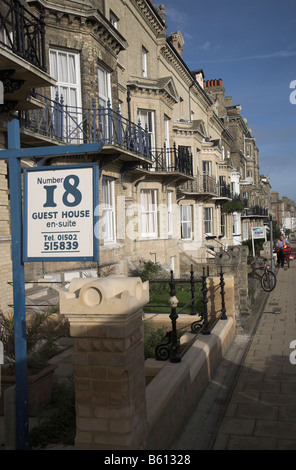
[154,256]
[128,99]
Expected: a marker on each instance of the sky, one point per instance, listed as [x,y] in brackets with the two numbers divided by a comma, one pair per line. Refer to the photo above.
[251,46]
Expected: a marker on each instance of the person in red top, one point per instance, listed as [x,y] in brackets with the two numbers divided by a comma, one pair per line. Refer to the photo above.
[280,244]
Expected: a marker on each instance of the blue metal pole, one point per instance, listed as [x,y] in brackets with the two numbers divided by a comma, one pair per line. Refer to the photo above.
[21,385]
[14,155]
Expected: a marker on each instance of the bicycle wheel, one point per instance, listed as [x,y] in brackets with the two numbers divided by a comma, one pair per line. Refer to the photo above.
[268,281]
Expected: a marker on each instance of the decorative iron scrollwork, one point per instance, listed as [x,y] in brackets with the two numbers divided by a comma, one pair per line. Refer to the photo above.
[196,325]
[162,351]
[7,106]
[10,85]
[24,32]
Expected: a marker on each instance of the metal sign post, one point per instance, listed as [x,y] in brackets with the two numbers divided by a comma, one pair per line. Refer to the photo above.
[271,242]
[20,341]
[14,155]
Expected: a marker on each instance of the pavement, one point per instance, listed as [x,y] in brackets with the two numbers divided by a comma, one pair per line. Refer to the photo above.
[250,402]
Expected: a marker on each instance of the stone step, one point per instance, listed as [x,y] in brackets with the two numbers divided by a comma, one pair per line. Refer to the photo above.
[41,298]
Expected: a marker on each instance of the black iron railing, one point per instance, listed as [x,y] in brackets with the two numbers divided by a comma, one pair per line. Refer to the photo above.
[225,191]
[71,124]
[22,32]
[77,125]
[172,159]
[171,349]
[255,210]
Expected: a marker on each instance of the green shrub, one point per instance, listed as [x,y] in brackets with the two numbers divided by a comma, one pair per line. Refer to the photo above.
[150,271]
[60,426]
[232,206]
[153,336]
[42,330]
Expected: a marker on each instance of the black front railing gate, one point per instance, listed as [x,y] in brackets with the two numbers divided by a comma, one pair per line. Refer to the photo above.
[171,349]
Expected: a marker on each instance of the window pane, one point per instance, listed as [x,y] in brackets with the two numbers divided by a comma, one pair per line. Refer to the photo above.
[170,224]
[109,229]
[62,67]
[102,82]
[147,118]
[72,71]
[53,64]
[186,221]
[208,220]
[144,62]
[148,212]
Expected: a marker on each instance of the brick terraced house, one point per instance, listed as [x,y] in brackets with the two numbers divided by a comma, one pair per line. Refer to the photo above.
[175,149]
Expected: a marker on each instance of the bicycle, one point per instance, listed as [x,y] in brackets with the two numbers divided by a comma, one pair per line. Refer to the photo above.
[268,278]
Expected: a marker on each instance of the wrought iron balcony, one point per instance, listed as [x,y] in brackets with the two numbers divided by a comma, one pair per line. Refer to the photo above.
[203,185]
[172,160]
[255,211]
[225,191]
[22,33]
[243,200]
[71,124]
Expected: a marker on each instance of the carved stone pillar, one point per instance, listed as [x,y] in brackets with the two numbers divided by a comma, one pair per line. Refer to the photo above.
[105,318]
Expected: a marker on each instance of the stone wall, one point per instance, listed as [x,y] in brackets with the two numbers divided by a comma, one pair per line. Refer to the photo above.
[114,408]
[234,262]
[172,396]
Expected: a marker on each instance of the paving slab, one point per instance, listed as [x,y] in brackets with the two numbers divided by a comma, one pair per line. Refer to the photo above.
[265,395]
[259,409]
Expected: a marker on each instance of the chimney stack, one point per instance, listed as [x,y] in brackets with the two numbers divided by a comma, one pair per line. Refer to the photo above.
[213,83]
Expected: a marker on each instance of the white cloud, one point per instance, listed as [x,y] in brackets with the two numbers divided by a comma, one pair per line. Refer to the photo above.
[176,16]
[271,55]
[205,47]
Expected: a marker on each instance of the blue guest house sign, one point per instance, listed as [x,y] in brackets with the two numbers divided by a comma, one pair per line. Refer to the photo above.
[59,211]
[55,223]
